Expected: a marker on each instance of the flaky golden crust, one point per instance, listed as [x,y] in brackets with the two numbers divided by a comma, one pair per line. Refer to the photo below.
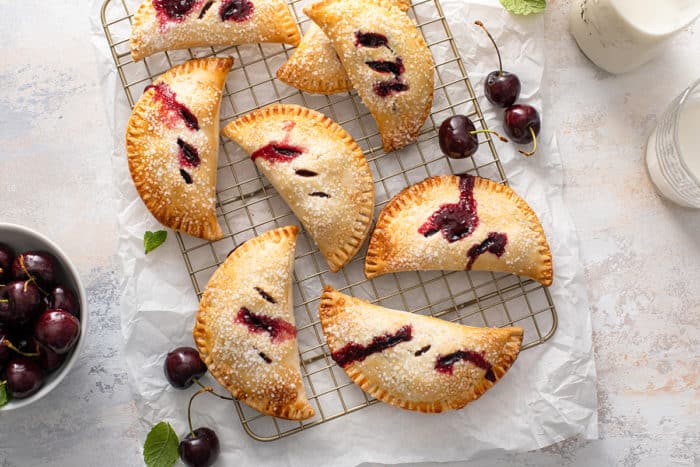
[314,66]
[270,21]
[152,151]
[340,221]
[234,355]
[400,114]
[396,245]
[406,375]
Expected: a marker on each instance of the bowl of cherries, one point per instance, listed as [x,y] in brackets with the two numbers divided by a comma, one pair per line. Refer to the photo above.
[43,316]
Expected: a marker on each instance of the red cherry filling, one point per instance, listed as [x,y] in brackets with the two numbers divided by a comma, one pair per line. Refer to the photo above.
[188,154]
[173,10]
[383,66]
[370,39]
[172,111]
[455,220]
[495,243]
[265,295]
[236,10]
[445,364]
[278,152]
[387,88]
[354,352]
[278,329]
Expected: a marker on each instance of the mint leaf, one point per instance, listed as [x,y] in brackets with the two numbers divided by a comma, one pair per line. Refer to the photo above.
[3,393]
[524,7]
[160,448]
[152,240]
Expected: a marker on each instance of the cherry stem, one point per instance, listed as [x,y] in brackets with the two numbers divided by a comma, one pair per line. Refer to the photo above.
[189,408]
[500,64]
[11,346]
[211,390]
[500,136]
[31,278]
[534,144]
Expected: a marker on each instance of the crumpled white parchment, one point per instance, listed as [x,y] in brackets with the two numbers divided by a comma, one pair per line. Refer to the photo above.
[547,396]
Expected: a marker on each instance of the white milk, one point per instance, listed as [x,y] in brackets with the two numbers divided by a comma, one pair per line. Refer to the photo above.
[688,148]
[620,35]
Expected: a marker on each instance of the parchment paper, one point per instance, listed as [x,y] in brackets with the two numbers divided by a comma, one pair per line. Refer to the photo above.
[548,395]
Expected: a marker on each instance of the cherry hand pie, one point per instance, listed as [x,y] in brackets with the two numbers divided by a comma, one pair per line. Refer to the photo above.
[413,361]
[245,329]
[318,169]
[160,25]
[315,67]
[387,60]
[172,145]
[456,223]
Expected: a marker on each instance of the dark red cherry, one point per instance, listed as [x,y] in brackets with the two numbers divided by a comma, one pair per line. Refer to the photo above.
[455,137]
[182,366]
[6,258]
[5,352]
[174,9]
[24,377]
[200,450]
[502,88]
[63,297]
[518,119]
[39,264]
[50,360]
[58,330]
[20,302]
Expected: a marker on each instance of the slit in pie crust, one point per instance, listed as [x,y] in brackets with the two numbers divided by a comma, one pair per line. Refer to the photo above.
[456,223]
[172,145]
[245,328]
[318,169]
[412,361]
[160,25]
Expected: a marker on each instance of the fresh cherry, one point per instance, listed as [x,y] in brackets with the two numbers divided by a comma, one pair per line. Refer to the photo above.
[38,265]
[182,366]
[58,330]
[20,302]
[200,448]
[50,360]
[63,297]
[457,137]
[6,258]
[522,124]
[24,377]
[502,88]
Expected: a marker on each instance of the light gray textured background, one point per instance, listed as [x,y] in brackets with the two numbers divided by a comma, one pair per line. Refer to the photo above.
[641,254]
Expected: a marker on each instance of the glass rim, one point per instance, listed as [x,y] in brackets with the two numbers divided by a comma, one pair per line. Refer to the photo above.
[681,104]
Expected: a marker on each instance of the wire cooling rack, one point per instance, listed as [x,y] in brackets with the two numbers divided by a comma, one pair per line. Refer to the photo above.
[248,206]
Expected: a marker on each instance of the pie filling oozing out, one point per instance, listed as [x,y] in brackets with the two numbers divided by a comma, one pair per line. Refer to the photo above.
[175,11]
[413,361]
[487,227]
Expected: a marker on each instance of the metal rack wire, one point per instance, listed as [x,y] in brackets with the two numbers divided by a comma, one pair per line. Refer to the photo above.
[247,206]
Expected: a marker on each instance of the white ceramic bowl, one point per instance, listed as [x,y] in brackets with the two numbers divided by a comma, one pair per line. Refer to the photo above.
[21,239]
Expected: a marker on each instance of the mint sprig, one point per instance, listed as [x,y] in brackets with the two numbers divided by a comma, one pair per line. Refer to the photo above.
[152,240]
[160,448]
[524,7]
[4,398]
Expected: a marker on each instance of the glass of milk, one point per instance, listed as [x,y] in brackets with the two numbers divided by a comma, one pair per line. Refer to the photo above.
[673,150]
[621,35]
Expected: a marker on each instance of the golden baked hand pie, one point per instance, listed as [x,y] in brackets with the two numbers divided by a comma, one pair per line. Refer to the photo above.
[245,329]
[172,145]
[412,361]
[387,60]
[456,223]
[315,66]
[160,25]
[318,169]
